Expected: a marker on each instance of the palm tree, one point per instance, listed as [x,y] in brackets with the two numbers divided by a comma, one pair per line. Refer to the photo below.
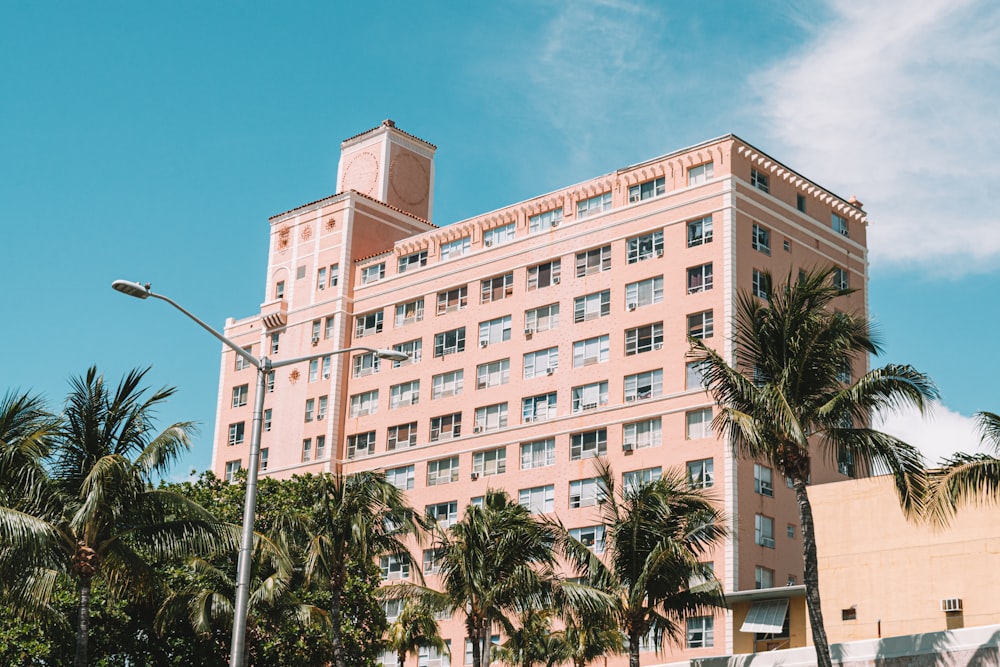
[656,537]
[967,478]
[527,642]
[585,638]
[497,560]
[91,511]
[415,628]
[789,398]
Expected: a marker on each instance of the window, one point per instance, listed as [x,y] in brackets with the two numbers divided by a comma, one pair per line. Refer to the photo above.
[279,290]
[236,433]
[334,274]
[321,278]
[644,293]
[788,245]
[701,474]
[544,221]
[590,351]
[593,206]
[701,173]
[275,342]
[544,275]
[403,394]
[760,239]
[447,384]
[790,530]
[310,409]
[644,339]
[800,202]
[242,363]
[442,471]
[491,417]
[644,247]
[490,462]
[270,382]
[763,577]
[695,375]
[373,274]
[763,531]
[401,436]
[593,261]
[591,537]
[840,279]
[541,362]
[498,235]
[592,306]
[701,632]
[452,300]
[484,651]
[267,419]
[493,374]
[538,454]
[321,409]
[701,325]
[495,331]
[762,480]
[263,458]
[641,434]
[307,450]
[538,499]
[699,424]
[495,289]
[365,403]
[392,609]
[368,324]
[444,514]
[454,249]
[586,493]
[760,285]
[541,319]
[849,614]
[634,479]
[845,462]
[359,445]
[538,408]
[699,231]
[313,370]
[446,426]
[401,478]
[699,278]
[647,190]
[316,327]
[240,395]
[409,312]
[364,364]
[590,396]
[641,386]
[394,567]
[759,180]
[300,272]
[232,467]
[839,224]
[328,327]
[326,368]
[412,261]
[412,349]
[588,444]
[433,560]
[449,342]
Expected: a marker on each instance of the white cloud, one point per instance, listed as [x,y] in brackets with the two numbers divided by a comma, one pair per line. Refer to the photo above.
[940,434]
[897,102]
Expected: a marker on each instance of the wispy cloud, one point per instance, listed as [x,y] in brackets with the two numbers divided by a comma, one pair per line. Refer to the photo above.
[938,435]
[898,102]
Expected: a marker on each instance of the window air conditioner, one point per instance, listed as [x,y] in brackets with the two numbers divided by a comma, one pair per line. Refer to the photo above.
[550,371]
[633,306]
[320,417]
[477,429]
[659,253]
[474,476]
[630,398]
[628,446]
[951,604]
[315,341]
[657,346]
[555,281]
[484,343]
[555,223]
[529,332]
[488,243]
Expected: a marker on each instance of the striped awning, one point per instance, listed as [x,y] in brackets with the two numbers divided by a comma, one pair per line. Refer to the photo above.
[767,616]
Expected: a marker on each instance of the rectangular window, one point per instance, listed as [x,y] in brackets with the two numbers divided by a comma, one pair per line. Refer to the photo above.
[840,279]
[644,339]
[800,202]
[699,424]
[593,261]
[538,499]
[328,327]
[316,328]
[451,300]
[401,478]
[240,394]
[763,531]
[542,362]
[586,493]
[321,408]
[334,274]
[236,433]
[446,426]
[538,408]
[634,479]
[641,386]
[544,275]
[495,331]
[365,364]
[270,382]
[263,458]
[313,370]
[701,173]
[541,319]
[701,325]
[590,396]
[404,394]
[412,349]
[591,537]
[760,239]
[701,474]
[695,375]
[412,261]
[442,471]
[449,342]
[368,324]
[232,467]
[588,444]
[544,221]
[491,417]
[267,419]
[493,374]
[394,568]
[392,609]
[444,514]
[701,632]
[401,436]
[759,180]
[590,351]
[699,278]
[454,249]
[279,290]
[242,363]
[845,462]
[498,235]
[644,293]
[307,450]
[763,577]
[497,288]
[592,306]
[409,312]
[275,342]
[759,287]
[373,274]
[641,434]
[643,247]
[433,560]
[310,409]
[839,224]
[360,445]
[490,462]
[321,278]
[538,454]
[593,206]
[447,384]
[762,480]
[365,403]
[647,190]
[699,231]
[321,447]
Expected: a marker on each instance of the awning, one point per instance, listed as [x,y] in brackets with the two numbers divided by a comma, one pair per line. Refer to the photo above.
[767,616]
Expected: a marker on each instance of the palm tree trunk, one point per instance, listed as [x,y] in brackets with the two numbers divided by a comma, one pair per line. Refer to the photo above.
[810,575]
[400,658]
[633,650]
[336,637]
[83,623]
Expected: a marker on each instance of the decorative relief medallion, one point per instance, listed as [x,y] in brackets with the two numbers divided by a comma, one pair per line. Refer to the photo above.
[293,377]
[306,233]
[283,238]
[409,179]
[361,173]
[331,222]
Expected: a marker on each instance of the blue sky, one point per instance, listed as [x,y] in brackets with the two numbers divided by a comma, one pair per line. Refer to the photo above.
[151,141]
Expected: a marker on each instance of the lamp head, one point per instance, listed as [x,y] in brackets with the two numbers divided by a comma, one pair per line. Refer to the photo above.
[392,355]
[131,288]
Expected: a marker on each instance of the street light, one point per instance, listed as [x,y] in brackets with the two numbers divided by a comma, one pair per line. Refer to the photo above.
[264,366]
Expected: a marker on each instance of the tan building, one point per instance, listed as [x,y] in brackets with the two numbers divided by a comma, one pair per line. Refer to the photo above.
[541,335]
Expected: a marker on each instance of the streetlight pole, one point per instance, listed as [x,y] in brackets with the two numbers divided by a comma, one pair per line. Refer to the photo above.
[264,366]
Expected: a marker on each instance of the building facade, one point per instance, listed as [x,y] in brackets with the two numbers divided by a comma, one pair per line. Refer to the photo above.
[540,335]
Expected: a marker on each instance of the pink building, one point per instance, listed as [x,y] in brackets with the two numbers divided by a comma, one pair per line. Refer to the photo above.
[540,335]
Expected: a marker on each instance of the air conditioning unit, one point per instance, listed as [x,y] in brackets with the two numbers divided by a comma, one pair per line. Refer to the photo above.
[628,446]
[657,346]
[315,341]
[659,253]
[951,604]
[555,281]
[555,223]
[529,332]
[481,384]
[629,399]
[477,429]
[474,476]
[484,343]
[633,306]
[320,417]
[550,371]
[488,243]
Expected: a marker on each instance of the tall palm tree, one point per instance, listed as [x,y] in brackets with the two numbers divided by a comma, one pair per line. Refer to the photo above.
[968,478]
[92,510]
[415,628]
[657,535]
[789,398]
[497,560]
[584,638]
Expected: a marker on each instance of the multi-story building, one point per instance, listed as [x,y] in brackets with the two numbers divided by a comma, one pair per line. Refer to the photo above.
[540,335]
